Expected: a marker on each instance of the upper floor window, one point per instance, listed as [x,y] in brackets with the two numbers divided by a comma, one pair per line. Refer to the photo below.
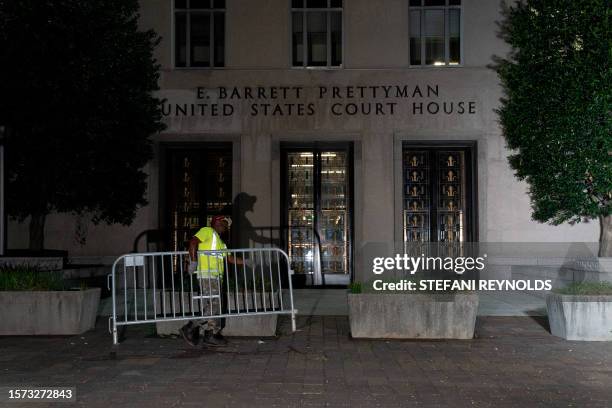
[199,33]
[316,33]
[435,32]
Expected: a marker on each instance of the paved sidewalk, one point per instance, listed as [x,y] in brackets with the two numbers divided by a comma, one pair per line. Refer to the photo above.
[514,362]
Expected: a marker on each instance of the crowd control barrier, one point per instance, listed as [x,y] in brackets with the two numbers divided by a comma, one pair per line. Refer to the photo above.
[159,287]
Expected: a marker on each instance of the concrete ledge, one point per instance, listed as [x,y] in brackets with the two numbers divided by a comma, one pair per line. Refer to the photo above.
[107,260]
[86,272]
[413,316]
[48,313]
[41,263]
[584,263]
[579,317]
[239,326]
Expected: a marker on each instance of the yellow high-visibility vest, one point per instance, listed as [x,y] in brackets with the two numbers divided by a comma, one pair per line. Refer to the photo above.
[210,266]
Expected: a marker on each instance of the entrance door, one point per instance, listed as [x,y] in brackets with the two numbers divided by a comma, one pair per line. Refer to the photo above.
[198,185]
[438,194]
[317,209]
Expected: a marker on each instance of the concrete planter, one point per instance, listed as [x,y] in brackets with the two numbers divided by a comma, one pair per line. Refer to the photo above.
[48,313]
[247,326]
[251,326]
[250,300]
[413,316]
[239,326]
[580,317]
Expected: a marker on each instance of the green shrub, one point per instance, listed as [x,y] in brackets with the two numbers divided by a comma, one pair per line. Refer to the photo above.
[16,278]
[586,288]
[355,287]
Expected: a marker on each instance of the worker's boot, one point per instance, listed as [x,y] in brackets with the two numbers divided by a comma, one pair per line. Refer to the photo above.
[220,337]
[214,339]
[190,333]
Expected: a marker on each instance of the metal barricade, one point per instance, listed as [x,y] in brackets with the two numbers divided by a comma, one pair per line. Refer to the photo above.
[158,287]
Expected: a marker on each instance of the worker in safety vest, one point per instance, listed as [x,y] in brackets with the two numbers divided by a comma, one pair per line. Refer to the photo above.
[208,273]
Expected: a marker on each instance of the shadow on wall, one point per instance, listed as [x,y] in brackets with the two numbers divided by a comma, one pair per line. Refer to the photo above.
[244,235]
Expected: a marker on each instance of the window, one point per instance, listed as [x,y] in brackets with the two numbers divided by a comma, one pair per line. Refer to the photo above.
[316,36]
[435,32]
[199,33]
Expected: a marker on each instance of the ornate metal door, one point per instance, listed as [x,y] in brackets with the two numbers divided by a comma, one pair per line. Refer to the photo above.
[438,199]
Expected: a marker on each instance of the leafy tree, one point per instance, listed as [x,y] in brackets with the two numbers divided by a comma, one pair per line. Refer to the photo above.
[76,99]
[556,111]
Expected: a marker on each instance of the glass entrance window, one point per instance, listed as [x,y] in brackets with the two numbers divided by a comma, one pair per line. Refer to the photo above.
[333,224]
[301,210]
[198,187]
[317,207]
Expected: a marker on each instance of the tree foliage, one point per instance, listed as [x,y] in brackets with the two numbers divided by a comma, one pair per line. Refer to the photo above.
[556,111]
[76,99]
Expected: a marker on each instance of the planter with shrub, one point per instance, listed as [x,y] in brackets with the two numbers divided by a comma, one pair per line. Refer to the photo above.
[35,302]
[581,311]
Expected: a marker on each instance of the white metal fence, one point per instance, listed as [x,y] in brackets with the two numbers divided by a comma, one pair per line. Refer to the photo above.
[158,287]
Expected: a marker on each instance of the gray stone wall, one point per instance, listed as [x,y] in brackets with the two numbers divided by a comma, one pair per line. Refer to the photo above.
[258,54]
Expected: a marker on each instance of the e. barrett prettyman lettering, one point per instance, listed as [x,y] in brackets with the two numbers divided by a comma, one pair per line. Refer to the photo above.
[322,92]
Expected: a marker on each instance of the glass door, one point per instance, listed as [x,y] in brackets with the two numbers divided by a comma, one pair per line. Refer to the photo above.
[317,210]
[333,220]
[301,212]
[198,186]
